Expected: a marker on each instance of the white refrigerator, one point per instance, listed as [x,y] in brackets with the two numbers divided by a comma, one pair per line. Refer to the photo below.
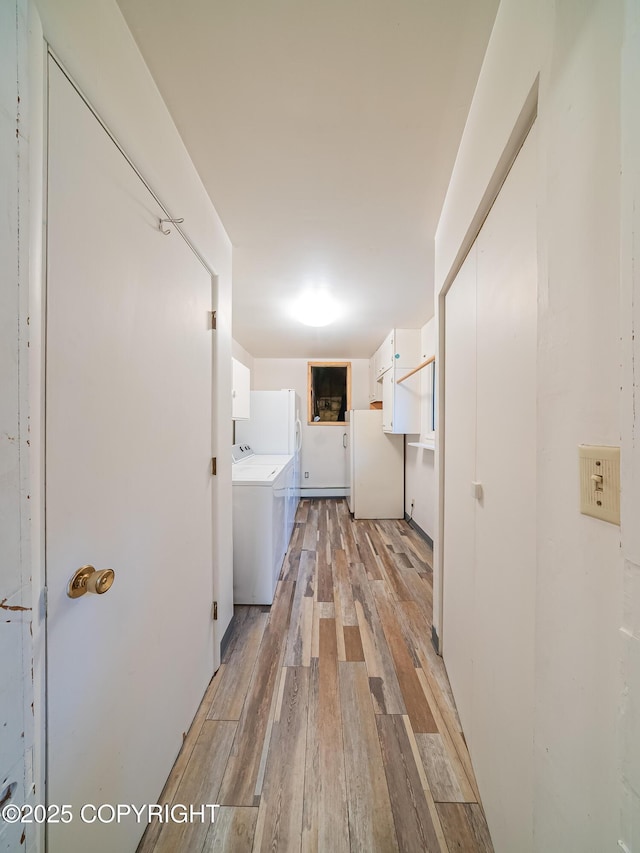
[376,467]
[274,427]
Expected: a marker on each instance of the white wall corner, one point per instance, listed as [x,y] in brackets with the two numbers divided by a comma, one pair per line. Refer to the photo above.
[242,355]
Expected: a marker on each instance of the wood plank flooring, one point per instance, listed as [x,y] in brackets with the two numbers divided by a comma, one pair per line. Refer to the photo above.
[330,726]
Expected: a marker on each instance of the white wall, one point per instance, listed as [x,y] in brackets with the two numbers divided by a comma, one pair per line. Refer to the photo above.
[17,722]
[241,354]
[575,49]
[419,462]
[323,455]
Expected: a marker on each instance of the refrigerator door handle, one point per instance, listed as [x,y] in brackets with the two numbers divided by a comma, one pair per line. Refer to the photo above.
[344,440]
[298,435]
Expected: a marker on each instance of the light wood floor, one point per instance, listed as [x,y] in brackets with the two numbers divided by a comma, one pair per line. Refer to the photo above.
[330,725]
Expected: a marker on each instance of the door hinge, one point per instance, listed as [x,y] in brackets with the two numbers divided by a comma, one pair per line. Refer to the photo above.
[214,466]
[215,610]
[213,318]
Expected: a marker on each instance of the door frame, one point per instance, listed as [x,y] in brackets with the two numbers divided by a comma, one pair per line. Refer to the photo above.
[516,140]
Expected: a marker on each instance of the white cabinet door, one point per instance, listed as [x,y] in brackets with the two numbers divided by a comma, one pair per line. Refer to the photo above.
[406,348]
[241,391]
[384,355]
[128,447]
[375,387]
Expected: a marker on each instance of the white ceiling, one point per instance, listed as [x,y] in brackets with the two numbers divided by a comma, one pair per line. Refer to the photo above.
[325,132]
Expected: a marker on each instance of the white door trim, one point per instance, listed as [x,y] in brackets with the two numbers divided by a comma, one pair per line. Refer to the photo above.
[519,133]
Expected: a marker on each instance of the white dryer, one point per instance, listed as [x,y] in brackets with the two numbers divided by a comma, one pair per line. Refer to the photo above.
[263,494]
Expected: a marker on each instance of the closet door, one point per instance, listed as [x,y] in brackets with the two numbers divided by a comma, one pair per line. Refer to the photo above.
[503,671]
[490,501]
[128,487]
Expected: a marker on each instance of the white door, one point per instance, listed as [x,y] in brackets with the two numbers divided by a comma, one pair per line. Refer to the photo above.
[489,551]
[128,447]
[506,447]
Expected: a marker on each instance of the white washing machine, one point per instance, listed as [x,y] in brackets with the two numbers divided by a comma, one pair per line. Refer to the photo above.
[263,495]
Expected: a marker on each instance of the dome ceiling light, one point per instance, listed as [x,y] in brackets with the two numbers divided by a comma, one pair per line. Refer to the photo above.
[316,307]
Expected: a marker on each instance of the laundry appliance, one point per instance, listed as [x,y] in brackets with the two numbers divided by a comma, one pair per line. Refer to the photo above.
[274,427]
[264,498]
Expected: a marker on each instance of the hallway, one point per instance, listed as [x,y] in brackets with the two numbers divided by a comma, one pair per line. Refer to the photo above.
[330,725]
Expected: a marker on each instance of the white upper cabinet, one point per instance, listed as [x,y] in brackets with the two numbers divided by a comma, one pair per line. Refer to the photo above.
[401,348]
[241,391]
[398,354]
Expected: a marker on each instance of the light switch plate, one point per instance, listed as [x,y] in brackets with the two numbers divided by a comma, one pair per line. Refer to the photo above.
[600,498]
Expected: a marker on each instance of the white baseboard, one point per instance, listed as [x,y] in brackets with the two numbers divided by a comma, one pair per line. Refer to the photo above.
[328,492]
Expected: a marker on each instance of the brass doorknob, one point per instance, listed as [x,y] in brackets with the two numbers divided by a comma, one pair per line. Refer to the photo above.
[88,579]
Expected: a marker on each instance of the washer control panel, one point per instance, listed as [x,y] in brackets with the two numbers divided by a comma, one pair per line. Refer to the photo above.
[240,452]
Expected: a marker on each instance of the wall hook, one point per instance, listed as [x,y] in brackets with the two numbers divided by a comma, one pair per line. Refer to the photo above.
[168,230]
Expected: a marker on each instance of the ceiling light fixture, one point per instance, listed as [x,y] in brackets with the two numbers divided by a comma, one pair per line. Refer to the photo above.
[315,308]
